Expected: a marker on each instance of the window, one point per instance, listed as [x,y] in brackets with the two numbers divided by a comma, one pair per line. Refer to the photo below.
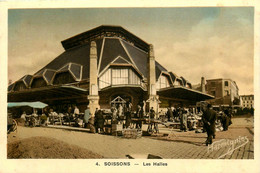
[38,82]
[63,78]
[226,83]
[162,82]
[213,84]
[133,78]
[178,83]
[119,76]
[227,93]
[105,79]
[19,86]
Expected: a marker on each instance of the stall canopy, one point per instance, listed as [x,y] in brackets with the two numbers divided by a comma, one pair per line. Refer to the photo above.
[180,92]
[45,94]
[31,104]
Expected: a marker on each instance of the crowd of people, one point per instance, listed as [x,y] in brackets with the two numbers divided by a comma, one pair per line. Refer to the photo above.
[124,114]
[185,116]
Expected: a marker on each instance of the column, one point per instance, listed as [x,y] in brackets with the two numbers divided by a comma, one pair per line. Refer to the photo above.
[93,96]
[153,98]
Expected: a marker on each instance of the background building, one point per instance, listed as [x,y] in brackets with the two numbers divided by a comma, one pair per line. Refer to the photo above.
[247,101]
[226,91]
[105,65]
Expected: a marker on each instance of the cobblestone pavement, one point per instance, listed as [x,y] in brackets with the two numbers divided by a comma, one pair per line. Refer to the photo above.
[175,145]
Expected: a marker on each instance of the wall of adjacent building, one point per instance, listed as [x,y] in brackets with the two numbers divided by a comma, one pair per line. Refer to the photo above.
[247,101]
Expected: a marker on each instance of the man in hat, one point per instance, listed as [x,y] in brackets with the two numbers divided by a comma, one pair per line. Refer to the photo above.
[209,117]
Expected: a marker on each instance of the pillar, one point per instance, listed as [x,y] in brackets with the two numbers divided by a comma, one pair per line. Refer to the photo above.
[153,98]
[93,96]
[203,85]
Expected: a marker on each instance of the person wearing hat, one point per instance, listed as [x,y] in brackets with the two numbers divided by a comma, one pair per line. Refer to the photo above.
[209,117]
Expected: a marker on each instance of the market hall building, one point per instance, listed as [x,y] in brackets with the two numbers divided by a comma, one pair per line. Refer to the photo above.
[102,66]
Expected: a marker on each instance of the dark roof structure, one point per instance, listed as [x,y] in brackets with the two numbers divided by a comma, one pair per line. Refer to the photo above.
[104,31]
[173,76]
[159,69]
[115,46]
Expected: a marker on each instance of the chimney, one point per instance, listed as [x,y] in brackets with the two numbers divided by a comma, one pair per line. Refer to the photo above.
[203,85]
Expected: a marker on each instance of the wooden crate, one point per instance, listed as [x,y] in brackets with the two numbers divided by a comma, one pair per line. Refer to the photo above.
[117,129]
[132,133]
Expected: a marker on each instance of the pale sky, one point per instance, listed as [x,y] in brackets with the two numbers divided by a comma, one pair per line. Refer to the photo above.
[191,42]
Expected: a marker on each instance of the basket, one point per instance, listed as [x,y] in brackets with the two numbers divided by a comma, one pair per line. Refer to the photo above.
[132,133]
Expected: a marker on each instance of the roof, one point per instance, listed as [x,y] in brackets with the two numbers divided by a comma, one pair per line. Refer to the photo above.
[111,50]
[184,81]
[173,76]
[180,92]
[108,50]
[159,69]
[104,31]
[48,93]
[78,55]
[26,79]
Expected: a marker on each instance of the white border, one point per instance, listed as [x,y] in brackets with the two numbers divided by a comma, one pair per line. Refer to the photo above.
[88,165]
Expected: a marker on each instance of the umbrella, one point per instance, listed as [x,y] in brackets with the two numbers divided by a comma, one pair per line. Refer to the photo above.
[31,104]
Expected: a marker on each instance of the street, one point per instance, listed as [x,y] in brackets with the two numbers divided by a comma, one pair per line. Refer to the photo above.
[168,144]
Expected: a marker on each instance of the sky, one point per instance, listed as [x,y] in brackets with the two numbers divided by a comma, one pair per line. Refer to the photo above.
[212,42]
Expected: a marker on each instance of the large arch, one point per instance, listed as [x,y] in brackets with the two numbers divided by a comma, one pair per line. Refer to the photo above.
[133,94]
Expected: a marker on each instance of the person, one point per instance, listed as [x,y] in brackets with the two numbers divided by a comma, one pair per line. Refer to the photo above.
[70,115]
[96,111]
[76,116]
[51,116]
[128,114]
[152,117]
[183,120]
[43,120]
[99,121]
[120,110]
[228,114]
[144,107]
[139,116]
[76,111]
[209,117]
[114,114]
[23,115]
[175,114]
[35,113]
[169,114]
[86,116]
